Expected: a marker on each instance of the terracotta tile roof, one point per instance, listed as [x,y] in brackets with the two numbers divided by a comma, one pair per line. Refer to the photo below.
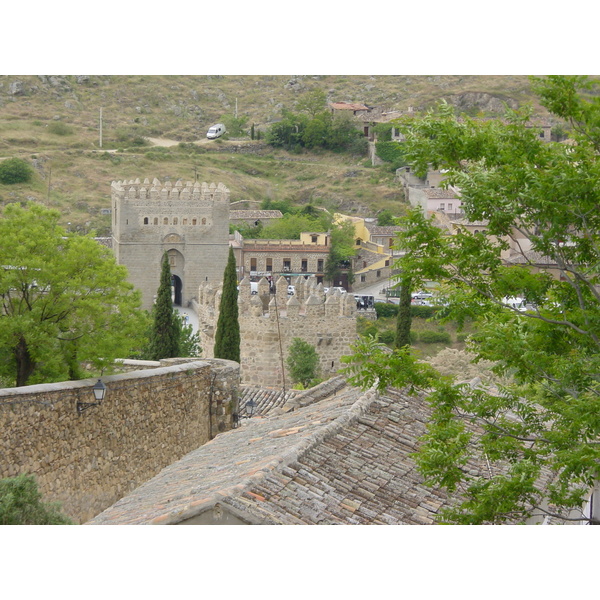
[343,460]
[383,230]
[439,193]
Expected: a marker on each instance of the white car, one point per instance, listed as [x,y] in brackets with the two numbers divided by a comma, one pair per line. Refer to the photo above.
[291,290]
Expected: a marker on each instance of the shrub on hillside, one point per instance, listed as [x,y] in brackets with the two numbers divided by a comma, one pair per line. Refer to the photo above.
[434,337]
[58,128]
[15,170]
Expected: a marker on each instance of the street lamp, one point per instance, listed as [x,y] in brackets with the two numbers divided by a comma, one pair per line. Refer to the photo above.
[250,406]
[99,391]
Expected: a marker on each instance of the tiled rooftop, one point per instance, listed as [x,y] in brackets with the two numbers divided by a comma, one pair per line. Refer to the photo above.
[342,460]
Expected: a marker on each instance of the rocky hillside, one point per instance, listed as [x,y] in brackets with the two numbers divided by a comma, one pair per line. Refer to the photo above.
[53,122]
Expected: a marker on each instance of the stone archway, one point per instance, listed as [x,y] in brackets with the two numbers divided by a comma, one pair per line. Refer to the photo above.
[176,289]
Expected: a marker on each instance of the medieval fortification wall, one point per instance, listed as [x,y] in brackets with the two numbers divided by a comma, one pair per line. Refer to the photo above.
[147,420]
[269,322]
[188,221]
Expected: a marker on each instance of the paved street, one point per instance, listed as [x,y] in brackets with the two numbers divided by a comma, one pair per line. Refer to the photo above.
[193,317]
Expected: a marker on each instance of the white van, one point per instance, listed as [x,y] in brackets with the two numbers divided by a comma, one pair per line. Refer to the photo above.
[215,131]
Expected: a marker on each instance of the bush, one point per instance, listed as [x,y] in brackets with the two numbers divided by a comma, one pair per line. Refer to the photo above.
[15,170]
[58,128]
[384,310]
[387,337]
[20,504]
[423,312]
[433,337]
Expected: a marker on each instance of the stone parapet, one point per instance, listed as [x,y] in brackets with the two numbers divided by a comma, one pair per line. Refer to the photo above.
[147,420]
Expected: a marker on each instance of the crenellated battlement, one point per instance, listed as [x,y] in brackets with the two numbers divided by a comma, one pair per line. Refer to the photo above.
[155,190]
[269,322]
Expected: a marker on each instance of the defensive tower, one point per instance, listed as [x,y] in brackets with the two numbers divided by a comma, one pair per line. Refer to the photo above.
[189,221]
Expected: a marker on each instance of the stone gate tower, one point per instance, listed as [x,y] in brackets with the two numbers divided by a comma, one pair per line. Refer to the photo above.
[188,221]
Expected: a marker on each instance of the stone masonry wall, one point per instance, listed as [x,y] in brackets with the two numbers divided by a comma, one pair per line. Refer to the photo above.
[268,323]
[148,420]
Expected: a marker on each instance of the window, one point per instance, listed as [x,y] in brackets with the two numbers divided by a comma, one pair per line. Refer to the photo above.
[320,265]
[358,242]
[145,220]
[304,267]
[253,264]
[442,206]
[194,221]
[269,264]
[203,221]
[165,221]
[378,273]
[314,239]
[287,264]
[450,206]
[156,220]
[172,260]
[184,222]
[175,221]
[363,278]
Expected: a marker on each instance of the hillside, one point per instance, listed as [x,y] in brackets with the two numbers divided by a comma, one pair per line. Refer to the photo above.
[53,121]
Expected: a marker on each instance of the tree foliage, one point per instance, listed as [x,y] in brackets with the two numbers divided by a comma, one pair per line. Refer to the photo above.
[166,331]
[64,299]
[302,362]
[21,504]
[316,130]
[540,434]
[341,251]
[15,170]
[227,336]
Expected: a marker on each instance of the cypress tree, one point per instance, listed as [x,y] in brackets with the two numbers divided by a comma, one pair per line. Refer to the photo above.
[227,336]
[165,334]
[404,318]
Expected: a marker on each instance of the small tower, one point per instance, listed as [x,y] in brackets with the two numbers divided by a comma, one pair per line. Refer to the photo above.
[190,222]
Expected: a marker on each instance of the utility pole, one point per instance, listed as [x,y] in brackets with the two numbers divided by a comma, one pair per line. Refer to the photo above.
[49,179]
[100,127]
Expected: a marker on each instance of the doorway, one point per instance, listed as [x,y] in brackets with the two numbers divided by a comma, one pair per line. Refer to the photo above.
[176,288]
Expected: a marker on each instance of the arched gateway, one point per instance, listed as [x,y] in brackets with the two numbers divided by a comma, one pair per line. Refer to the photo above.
[189,221]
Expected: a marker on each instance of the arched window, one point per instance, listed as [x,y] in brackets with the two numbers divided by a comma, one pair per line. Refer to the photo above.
[145,220]
[184,222]
[203,221]
[165,221]
[156,220]
[175,221]
[194,221]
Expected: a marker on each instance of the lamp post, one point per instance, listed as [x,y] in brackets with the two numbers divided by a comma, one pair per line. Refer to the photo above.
[99,391]
[250,406]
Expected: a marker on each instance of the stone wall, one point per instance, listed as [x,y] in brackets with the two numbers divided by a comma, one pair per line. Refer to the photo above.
[148,420]
[269,322]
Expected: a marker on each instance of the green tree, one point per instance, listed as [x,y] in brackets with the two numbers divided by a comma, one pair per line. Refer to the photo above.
[65,301]
[15,170]
[227,336]
[235,126]
[312,103]
[547,420]
[290,226]
[385,218]
[341,251]
[404,318]
[21,504]
[302,362]
[166,327]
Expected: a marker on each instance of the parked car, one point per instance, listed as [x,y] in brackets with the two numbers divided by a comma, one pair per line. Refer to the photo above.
[215,131]
[291,290]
